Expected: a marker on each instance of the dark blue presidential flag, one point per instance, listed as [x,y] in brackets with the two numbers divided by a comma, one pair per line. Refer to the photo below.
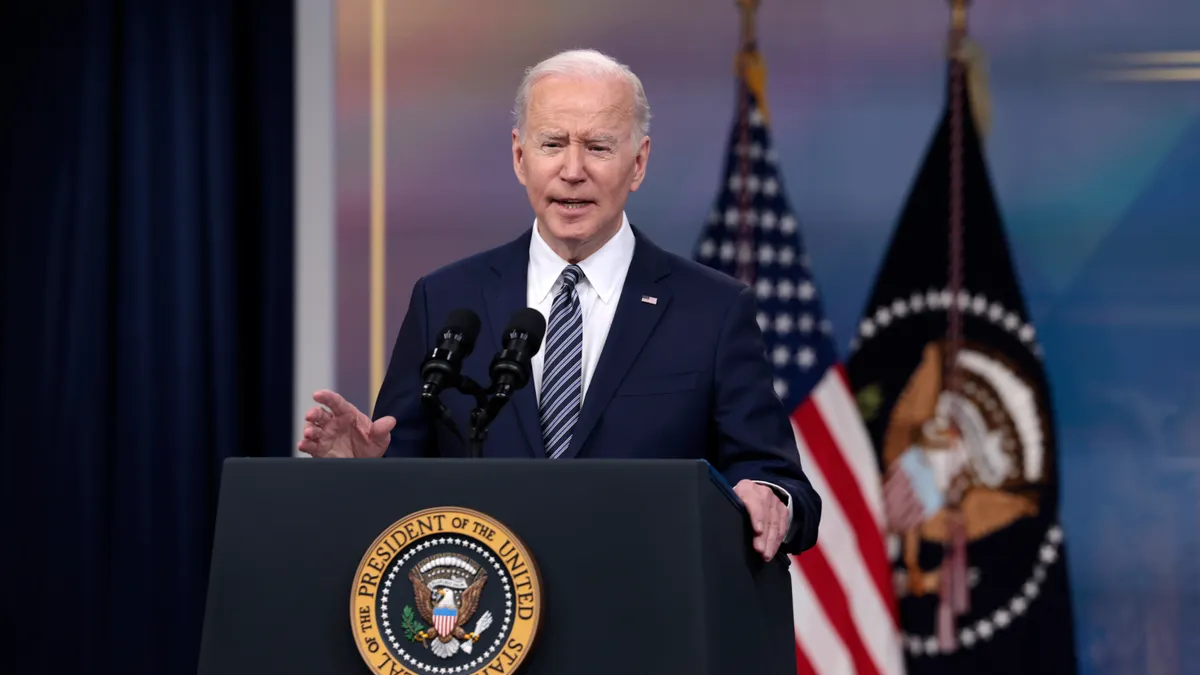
[947,371]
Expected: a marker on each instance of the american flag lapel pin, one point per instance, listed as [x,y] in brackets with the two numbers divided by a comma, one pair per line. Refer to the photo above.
[649,299]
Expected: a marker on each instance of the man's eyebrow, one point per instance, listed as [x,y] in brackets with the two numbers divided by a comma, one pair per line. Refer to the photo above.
[608,139]
[559,135]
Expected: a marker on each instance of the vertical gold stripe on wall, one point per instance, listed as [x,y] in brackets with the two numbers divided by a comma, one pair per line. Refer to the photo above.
[378,191]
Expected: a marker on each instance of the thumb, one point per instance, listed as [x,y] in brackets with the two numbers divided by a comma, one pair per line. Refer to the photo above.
[381,427]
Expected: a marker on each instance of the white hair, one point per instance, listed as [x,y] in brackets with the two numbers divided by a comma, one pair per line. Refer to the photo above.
[584,63]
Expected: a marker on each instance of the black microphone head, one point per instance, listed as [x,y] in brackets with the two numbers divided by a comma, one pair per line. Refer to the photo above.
[522,339]
[528,323]
[455,342]
[466,323]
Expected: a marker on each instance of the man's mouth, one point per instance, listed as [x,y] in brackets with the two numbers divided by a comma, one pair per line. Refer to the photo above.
[571,204]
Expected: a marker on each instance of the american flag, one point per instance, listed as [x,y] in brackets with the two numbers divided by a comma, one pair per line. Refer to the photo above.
[844,609]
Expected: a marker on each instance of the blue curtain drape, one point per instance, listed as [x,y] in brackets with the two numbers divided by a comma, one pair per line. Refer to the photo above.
[147,312]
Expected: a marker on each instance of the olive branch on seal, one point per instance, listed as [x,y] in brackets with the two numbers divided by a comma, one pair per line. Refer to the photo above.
[410,624]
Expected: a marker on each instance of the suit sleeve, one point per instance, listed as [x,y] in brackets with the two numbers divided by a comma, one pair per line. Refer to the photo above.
[754,433]
[400,392]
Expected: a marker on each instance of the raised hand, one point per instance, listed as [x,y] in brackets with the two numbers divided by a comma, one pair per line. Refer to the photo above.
[338,429]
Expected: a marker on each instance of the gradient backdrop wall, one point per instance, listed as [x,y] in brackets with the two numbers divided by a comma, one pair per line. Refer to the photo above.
[1096,176]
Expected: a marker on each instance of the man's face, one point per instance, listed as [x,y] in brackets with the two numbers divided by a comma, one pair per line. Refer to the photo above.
[577,160]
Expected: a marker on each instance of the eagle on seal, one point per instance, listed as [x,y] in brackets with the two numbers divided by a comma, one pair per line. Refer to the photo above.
[438,607]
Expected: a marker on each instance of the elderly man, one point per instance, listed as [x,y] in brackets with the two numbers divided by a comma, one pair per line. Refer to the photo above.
[646,354]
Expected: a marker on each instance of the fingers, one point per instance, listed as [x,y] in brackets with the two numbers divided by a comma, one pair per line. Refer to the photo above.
[330,427]
[762,525]
[310,447]
[770,536]
[383,426]
[379,436]
[318,416]
[314,433]
[768,516]
[774,534]
[311,441]
[336,403]
[315,438]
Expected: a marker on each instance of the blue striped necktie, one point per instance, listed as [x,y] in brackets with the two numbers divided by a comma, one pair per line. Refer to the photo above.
[562,379]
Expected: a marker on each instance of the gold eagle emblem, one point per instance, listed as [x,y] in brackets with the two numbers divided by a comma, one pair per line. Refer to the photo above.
[446,591]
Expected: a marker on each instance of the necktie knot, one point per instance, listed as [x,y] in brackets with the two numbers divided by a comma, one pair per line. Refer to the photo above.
[571,275]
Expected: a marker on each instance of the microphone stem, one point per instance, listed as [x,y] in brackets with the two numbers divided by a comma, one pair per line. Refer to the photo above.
[480,419]
[436,410]
[478,433]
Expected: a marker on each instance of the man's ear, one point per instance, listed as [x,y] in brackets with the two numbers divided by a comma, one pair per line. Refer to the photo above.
[518,156]
[639,164]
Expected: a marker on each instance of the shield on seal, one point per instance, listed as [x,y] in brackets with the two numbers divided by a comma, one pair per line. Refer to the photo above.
[444,619]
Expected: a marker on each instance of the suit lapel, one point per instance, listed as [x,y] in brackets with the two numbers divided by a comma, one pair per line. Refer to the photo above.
[632,324]
[505,296]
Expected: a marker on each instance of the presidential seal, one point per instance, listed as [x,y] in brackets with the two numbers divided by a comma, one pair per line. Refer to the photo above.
[966,441]
[445,590]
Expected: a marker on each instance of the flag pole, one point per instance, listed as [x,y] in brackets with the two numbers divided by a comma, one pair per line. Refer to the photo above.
[952,376]
[748,9]
[953,600]
[747,47]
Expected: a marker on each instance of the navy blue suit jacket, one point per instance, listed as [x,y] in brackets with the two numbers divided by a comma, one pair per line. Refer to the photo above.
[686,377]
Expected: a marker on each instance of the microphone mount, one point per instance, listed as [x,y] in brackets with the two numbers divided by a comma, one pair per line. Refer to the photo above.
[437,411]
[509,372]
[477,427]
[481,416]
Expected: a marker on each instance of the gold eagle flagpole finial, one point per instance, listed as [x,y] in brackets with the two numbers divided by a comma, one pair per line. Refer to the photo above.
[967,52]
[958,16]
[750,68]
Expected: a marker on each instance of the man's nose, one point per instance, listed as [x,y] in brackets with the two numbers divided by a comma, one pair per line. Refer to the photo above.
[572,169]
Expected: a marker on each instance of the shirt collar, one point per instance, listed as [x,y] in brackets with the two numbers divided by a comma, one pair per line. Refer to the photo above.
[603,270]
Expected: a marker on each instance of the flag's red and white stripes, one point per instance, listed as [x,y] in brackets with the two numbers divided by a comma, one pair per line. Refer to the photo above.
[841,588]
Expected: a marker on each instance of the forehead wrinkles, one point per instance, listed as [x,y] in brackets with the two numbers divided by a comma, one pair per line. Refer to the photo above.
[553,105]
[609,122]
[612,111]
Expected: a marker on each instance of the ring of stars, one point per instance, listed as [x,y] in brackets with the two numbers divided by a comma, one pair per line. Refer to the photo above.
[935,300]
[502,578]
[1003,616]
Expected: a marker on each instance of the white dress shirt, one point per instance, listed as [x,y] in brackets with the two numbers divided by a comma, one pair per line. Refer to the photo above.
[599,291]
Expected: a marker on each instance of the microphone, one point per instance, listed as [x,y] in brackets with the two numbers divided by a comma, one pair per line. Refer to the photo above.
[520,341]
[442,367]
[522,338]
